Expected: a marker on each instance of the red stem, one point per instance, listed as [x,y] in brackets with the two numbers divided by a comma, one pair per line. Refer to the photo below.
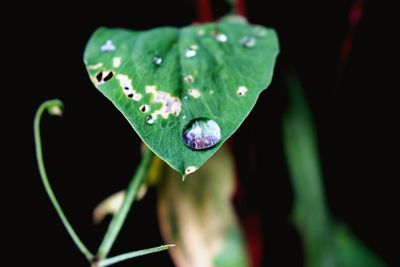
[204,13]
[240,7]
[354,18]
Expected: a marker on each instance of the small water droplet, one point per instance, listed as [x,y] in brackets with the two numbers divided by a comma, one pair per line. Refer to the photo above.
[190,169]
[248,41]
[201,32]
[201,134]
[149,119]
[108,46]
[220,37]
[185,97]
[194,92]
[260,31]
[241,91]
[190,53]
[157,60]
[116,62]
[184,117]
[188,79]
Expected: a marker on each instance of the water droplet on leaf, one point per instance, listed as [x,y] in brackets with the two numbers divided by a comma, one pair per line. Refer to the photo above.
[157,60]
[248,41]
[201,134]
[190,169]
[259,31]
[190,53]
[149,119]
[220,37]
[108,46]
[188,79]
[241,91]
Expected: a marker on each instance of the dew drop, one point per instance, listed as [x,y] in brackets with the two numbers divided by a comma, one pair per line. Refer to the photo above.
[260,31]
[220,37]
[193,92]
[190,169]
[201,32]
[188,79]
[248,41]
[108,46]
[201,134]
[149,119]
[157,60]
[241,91]
[116,62]
[190,53]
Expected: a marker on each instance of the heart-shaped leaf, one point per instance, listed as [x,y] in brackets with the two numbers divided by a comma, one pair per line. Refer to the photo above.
[184,91]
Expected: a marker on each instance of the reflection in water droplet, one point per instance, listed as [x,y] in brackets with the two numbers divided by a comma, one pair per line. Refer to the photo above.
[190,53]
[149,119]
[157,60]
[201,134]
[248,41]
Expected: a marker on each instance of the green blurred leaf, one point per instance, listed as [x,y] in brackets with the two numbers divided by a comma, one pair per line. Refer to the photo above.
[173,76]
[325,244]
[197,215]
[352,252]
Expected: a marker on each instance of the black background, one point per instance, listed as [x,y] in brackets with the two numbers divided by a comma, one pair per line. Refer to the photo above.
[92,151]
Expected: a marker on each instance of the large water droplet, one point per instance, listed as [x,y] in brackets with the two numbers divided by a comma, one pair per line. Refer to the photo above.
[248,41]
[157,60]
[201,134]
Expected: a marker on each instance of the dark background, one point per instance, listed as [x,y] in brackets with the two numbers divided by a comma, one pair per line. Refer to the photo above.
[92,151]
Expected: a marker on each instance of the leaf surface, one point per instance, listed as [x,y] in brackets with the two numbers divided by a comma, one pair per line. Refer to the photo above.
[164,79]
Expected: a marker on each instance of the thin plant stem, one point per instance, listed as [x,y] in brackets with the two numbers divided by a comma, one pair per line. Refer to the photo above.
[54,107]
[130,255]
[130,195]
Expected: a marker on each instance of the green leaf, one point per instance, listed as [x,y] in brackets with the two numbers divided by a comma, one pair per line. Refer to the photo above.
[174,76]
[325,243]
[197,215]
[351,252]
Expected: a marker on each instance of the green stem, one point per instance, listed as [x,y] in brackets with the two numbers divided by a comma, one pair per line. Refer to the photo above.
[310,211]
[119,218]
[54,107]
[130,255]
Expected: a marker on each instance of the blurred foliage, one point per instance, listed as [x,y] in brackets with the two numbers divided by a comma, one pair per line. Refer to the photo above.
[197,215]
[326,242]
